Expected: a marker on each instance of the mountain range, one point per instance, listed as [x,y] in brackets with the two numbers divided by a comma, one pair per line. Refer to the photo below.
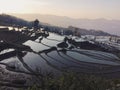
[110,26]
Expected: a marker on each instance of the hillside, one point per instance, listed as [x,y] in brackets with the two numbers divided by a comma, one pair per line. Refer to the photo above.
[89,32]
[110,26]
[8,20]
[17,21]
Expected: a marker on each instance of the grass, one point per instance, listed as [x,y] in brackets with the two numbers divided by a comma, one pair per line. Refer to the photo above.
[72,81]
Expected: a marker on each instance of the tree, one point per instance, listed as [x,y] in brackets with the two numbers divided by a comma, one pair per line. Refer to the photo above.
[36,25]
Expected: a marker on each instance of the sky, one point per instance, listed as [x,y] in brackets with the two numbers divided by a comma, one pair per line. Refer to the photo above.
[90,9]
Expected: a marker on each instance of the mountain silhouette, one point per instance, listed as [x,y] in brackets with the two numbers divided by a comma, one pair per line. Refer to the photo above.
[110,26]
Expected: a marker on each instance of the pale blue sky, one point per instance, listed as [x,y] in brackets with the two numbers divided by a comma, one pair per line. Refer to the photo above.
[73,8]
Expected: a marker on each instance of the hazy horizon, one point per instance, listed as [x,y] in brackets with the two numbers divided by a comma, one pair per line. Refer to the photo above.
[15,14]
[90,9]
[107,25]
[70,10]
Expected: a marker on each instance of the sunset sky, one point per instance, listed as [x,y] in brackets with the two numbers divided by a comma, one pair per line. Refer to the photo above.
[91,9]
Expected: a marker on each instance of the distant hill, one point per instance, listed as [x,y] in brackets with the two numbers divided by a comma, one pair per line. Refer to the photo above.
[110,26]
[16,20]
[8,20]
[89,32]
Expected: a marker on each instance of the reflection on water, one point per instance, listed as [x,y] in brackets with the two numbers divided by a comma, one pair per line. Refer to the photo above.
[36,46]
[2,26]
[57,37]
[82,57]
[14,62]
[52,59]
[10,28]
